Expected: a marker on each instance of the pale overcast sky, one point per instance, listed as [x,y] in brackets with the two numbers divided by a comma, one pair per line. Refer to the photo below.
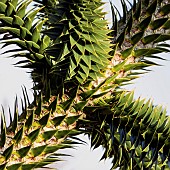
[154,84]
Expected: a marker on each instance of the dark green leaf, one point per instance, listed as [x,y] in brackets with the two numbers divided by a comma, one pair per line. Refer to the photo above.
[28,166]
[71,119]
[166,25]
[127,52]
[3,129]
[23,151]
[119,66]
[144,24]
[52,149]
[38,150]
[121,38]
[53,105]
[79,106]
[58,120]
[62,133]
[3,166]
[150,38]
[158,23]
[33,135]
[137,10]
[48,134]
[44,120]
[137,37]
[7,153]
[65,105]
[163,37]
[151,9]
[15,121]
[14,166]
[46,162]
[39,107]
[165,9]
[29,121]
[19,135]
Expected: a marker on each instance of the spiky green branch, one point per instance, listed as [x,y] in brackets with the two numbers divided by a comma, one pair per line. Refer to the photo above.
[79,73]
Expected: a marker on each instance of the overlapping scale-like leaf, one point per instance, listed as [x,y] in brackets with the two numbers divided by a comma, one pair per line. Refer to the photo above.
[134,133]
[143,26]
[72,59]
[80,39]
[19,24]
[32,138]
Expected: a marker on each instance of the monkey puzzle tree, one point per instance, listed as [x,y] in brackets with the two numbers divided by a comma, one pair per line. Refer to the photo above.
[78,66]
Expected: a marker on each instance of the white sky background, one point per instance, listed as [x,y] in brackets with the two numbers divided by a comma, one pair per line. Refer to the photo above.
[153,85]
[11,80]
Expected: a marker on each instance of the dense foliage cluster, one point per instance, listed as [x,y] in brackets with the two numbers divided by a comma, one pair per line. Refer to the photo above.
[79,66]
